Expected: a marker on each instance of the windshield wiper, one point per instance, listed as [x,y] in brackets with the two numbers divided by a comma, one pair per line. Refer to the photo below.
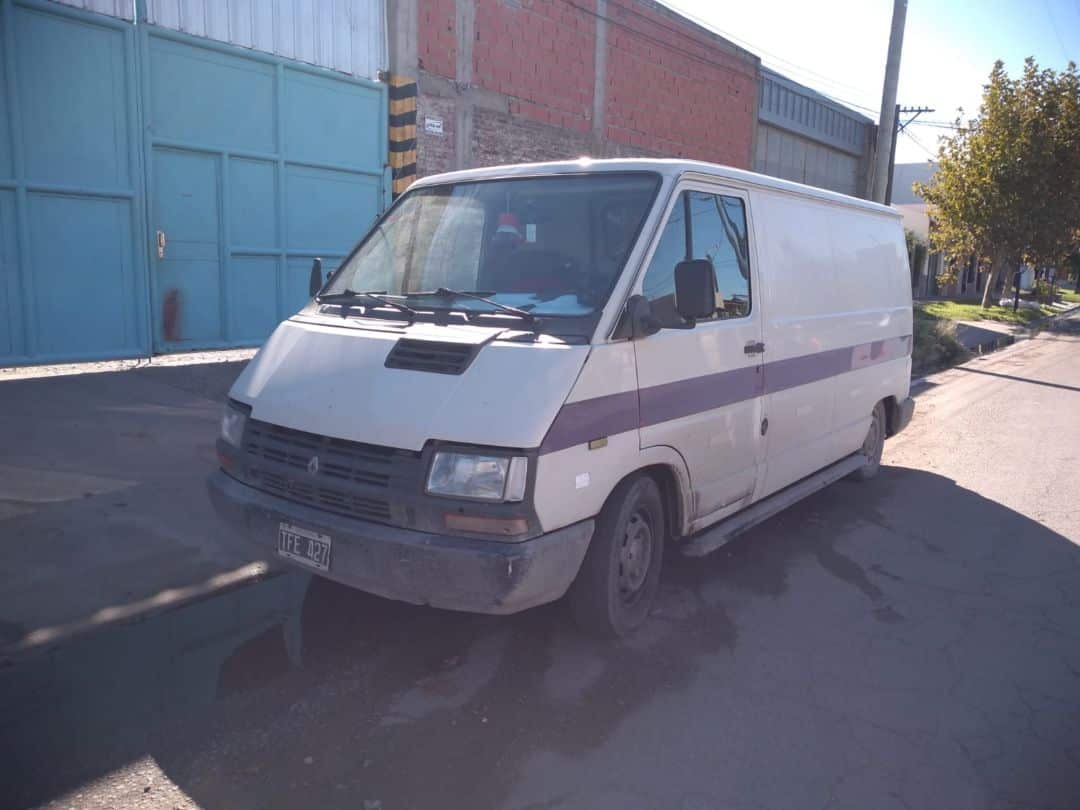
[347,297]
[449,294]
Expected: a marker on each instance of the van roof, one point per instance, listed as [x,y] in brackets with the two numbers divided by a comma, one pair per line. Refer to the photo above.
[668,167]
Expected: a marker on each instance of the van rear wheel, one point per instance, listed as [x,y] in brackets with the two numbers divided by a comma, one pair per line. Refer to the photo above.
[618,580]
[873,445]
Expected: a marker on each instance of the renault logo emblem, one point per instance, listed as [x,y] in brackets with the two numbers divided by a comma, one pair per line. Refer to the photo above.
[313,465]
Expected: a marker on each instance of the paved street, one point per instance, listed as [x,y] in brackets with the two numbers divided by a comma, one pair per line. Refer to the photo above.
[103,496]
[913,642]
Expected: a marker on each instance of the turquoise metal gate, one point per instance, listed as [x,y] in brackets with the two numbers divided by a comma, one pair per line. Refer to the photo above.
[162,192]
[256,165]
[73,281]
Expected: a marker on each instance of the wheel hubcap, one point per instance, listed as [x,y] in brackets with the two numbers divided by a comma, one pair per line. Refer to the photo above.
[635,556]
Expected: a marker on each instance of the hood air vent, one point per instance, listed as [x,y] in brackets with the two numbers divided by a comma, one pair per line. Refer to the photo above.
[432,356]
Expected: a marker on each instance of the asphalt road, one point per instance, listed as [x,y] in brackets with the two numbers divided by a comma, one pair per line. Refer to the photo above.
[912,642]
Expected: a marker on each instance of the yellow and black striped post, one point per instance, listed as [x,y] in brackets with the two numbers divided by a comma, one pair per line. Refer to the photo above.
[402,132]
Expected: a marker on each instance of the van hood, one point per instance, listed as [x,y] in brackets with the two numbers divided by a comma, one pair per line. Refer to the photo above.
[332,380]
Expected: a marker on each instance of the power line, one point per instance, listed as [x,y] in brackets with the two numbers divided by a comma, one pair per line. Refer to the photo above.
[667,45]
[919,143]
[936,125]
[847,103]
[749,45]
[690,54]
[1053,25]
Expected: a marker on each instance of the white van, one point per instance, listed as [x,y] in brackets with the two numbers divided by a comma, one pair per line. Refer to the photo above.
[535,379]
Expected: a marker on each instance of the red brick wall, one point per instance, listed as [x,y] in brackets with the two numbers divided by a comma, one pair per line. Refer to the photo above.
[540,52]
[436,38]
[672,89]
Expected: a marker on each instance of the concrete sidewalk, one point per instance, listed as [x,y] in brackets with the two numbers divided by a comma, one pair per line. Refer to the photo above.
[104,516]
[985,336]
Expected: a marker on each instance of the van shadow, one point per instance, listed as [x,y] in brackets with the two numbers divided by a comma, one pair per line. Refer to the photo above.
[911,608]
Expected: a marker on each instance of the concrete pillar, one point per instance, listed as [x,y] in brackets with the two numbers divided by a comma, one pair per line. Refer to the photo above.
[465,27]
[402,24]
[402,20]
[600,68]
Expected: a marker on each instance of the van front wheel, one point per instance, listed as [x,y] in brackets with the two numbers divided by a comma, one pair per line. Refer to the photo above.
[873,445]
[619,577]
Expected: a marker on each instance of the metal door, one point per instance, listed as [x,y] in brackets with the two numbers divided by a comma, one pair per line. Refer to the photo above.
[701,389]
[187,246]
[257,165]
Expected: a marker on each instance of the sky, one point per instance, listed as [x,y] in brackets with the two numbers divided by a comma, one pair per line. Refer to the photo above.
[838,47]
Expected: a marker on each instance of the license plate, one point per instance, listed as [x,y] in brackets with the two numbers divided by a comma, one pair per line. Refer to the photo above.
[304,546]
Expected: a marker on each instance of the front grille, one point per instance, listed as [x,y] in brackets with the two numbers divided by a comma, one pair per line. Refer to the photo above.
[437,357]
[349,478]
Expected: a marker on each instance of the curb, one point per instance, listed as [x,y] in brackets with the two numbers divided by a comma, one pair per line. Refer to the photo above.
[1002,342]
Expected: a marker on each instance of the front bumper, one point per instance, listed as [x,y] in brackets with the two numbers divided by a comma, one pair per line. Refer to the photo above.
[901,416]
[457,573]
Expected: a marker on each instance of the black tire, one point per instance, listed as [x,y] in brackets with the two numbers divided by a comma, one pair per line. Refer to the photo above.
[873,445]
[616,586]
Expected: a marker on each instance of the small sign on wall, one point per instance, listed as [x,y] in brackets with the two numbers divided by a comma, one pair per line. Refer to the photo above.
[433,126]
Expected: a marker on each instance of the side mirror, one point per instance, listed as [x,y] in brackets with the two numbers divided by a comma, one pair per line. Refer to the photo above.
[315,280]
[640,318]
[695,289]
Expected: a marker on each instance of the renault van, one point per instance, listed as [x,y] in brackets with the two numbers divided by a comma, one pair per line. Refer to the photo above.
[534,381]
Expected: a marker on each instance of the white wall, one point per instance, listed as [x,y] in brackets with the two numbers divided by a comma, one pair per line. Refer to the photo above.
[344,35]
[124,9]
[916,219]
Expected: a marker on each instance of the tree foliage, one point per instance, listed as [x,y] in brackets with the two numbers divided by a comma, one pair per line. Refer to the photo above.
[1007,188]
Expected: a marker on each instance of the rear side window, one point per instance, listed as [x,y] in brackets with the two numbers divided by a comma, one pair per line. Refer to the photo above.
[702,226]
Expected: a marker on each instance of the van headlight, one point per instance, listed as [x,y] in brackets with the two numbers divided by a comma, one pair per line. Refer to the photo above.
[233,420]
[477,476]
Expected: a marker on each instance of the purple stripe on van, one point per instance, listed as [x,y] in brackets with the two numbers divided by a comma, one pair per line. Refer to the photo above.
[673,400]
[783,374]
[587,419]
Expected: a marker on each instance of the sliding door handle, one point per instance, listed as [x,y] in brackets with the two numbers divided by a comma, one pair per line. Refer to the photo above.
[754,348]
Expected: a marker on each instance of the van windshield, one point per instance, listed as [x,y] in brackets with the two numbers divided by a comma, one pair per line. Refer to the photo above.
[548,245]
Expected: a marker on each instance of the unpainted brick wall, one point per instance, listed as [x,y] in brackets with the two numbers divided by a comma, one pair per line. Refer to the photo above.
[507,138]
[671,89]
[540,53]
[435,153]
[436,37]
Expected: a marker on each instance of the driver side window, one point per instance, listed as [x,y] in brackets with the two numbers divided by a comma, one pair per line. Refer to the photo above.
[702,226]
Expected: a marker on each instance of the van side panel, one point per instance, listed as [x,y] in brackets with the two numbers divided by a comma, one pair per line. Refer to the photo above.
[873,245]
[798,279]
[572,481]
[837,327]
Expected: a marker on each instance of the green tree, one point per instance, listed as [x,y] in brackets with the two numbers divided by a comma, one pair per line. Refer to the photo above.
[1007,188]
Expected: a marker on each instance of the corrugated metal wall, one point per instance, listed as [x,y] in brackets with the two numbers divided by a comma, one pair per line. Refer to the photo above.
[344,35]
[124,9]
[809,138]
[793,157]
